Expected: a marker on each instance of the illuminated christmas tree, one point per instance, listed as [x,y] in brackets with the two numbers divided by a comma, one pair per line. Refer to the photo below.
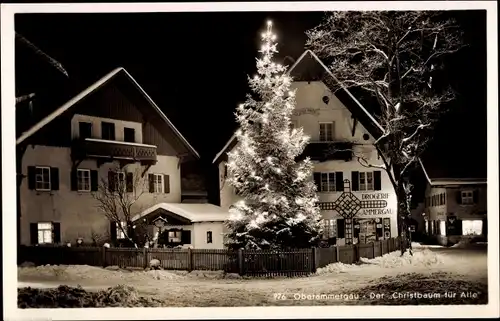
[278,207]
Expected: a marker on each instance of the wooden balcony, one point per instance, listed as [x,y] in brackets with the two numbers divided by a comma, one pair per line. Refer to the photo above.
[113,150]
[324,151]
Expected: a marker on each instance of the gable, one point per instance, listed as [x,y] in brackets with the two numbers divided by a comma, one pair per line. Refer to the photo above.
[115,96]
[310,68]
[315,99]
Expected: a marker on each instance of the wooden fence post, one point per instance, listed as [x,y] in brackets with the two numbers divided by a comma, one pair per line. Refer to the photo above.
[241,261]
[103,256]
[190,260]
[356,252]
[315,259]
[373,248]
[145,252]
[337,248]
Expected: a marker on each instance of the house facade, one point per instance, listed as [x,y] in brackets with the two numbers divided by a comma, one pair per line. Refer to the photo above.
[356,198]
[109,136]
[455,208]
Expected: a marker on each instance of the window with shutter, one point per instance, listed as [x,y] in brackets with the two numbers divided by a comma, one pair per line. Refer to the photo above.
[120,235]
[467,197]
[83,180]
[116,181]
[42,178]
[326,132]
[366,181]
[45,233]
[158,183]
[327,182]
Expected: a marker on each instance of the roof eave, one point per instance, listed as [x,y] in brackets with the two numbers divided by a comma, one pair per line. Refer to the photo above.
[224,149]
[163,116]
[101,82]
[457,181]
[308,51]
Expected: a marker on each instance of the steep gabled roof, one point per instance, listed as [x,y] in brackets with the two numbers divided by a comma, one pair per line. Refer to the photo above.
[310,68]
[51,61]
[98,84]
[440,171]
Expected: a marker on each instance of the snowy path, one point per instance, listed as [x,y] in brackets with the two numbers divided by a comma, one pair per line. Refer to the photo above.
[185,290]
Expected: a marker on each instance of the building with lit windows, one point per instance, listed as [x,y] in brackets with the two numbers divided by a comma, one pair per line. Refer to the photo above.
[358,203]
[455,206]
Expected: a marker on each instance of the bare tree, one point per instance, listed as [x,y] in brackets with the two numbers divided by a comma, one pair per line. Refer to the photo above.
[117,197]
[397,58]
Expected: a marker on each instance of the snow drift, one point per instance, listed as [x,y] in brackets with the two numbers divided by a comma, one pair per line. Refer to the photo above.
[82,272]
[424,258]
[76,297]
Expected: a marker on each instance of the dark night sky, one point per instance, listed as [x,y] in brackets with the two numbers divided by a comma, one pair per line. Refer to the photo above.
[194,65]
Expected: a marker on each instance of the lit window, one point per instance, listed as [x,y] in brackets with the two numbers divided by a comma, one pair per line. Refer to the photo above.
[329,229]
[326,132]
[366,181]
[44,233]
[467,197]
[83,179]
[119,232]
[442,228]
[158,183]
[174,236]
[474,227]
[42,179]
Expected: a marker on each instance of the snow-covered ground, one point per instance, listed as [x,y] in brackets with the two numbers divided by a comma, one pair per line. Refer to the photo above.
[432,265]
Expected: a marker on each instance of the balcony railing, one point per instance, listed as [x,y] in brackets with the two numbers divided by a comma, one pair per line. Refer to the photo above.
[100,148]
[323,151]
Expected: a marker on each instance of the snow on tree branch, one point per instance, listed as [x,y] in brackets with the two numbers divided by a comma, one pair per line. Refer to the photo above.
[116,196]
[398,58]
[279,207]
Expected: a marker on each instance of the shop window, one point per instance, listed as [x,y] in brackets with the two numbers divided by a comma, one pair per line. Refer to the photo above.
[472,227]
[442,228]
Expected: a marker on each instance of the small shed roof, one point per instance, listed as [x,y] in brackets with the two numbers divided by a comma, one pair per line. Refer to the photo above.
[194,212]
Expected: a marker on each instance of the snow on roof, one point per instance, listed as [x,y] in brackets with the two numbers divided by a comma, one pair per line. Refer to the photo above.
[449,179]
[195,212]
[358,104]
[91,89]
